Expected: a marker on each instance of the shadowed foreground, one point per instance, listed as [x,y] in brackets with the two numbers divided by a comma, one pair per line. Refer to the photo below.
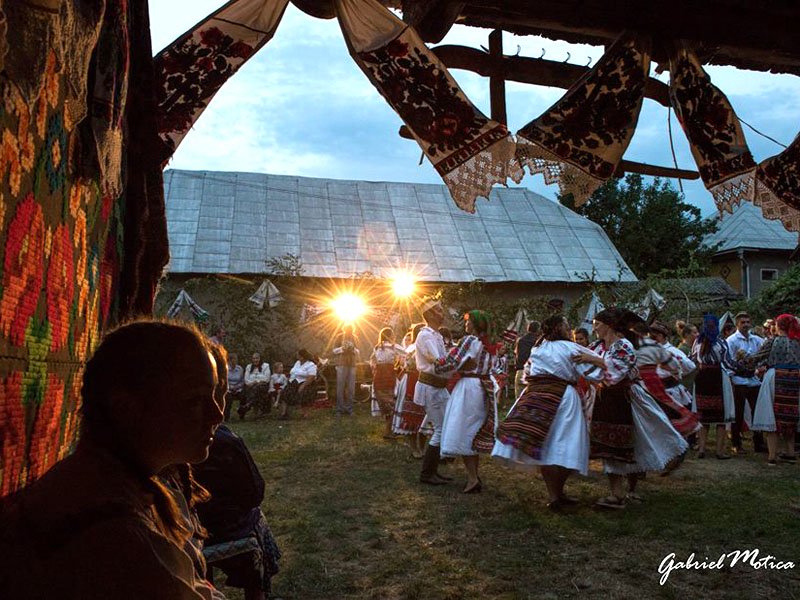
[353,522]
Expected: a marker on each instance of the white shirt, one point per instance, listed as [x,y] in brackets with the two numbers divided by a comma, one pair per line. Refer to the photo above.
[277,379]
[684,362]
[750,344]
[430,350]
[252,376]
[302,372]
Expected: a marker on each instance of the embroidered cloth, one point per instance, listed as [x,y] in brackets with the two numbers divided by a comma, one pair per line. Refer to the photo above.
[193,68]
[469,151]
[787,398]
[579,141]
[777,186]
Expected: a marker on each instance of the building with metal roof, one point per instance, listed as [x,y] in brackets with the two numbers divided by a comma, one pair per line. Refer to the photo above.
[224,222]
[752,251]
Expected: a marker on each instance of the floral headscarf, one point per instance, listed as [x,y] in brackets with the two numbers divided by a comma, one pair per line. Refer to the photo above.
[483,320]
[790,325]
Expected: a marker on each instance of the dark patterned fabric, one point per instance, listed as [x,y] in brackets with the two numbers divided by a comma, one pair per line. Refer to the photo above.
[580,140]
[193,68]
[470,151]
[293,396]
[708,395]
[787,398]
[611,430]
[712,128]
[529,422]
[483,442]
[778,186]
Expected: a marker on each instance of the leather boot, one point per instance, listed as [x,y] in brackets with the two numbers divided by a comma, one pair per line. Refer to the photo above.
[430,462]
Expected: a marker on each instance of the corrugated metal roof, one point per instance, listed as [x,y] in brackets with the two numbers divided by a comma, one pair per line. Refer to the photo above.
[222,222]
[746,227]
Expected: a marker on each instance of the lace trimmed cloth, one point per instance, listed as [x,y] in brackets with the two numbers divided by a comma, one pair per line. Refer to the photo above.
[469,151]
[580,140]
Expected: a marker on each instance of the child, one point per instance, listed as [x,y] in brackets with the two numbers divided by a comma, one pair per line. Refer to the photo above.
[277,382]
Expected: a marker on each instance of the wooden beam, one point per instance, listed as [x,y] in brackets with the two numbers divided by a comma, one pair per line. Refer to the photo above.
[536,71]
[497,82]
[628,166]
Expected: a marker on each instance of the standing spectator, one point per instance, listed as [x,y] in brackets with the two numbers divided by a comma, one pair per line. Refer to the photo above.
[581,337]
[742,344]
[256,381]
[347,356]
[688,335]
[235,384]
[770,329]
[522,351]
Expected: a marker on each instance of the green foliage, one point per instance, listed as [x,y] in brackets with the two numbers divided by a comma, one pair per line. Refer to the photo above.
[783,296]
[650,224]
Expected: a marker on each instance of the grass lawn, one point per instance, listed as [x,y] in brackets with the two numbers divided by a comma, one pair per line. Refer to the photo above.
[353,522]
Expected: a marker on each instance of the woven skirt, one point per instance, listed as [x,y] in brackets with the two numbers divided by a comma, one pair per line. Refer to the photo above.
[611,431]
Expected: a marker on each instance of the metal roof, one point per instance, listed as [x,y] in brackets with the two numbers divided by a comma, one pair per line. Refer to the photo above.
[746,227]
[223,222]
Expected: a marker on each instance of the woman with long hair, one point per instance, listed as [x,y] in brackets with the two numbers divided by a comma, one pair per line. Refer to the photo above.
[547,425]
[384,381]
[408,416]
[471,413]
[629,431]
[778,402]
[713,394]
[100,524]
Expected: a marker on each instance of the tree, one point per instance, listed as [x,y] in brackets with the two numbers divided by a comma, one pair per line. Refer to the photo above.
[650,224]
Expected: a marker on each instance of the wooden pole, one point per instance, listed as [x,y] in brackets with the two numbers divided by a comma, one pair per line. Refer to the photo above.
[497,82]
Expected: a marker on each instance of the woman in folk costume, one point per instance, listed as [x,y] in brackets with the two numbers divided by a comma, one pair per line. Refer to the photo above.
[408,416]
[629,431]
[547,425]
[713,392]
[779,398]
[471,413]
[652,360]
[382,361]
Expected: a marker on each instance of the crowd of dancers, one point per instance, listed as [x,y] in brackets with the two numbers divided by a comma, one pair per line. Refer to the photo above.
[630,399]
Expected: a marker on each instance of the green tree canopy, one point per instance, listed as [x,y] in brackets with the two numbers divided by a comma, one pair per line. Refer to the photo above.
[651,225]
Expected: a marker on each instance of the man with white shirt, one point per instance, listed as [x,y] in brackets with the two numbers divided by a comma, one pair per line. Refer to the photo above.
[431,391]
[745,389]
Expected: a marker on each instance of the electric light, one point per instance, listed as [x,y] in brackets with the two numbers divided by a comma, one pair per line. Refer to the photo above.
[348,307]
[403,284]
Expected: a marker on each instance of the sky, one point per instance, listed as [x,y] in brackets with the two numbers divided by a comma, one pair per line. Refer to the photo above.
[301,106]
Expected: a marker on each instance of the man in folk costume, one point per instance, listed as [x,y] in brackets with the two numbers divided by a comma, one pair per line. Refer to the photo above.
[431,390]
[742,344]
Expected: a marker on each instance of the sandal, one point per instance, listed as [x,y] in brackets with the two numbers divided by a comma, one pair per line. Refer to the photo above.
[634,497]
[610,502]
[772,462]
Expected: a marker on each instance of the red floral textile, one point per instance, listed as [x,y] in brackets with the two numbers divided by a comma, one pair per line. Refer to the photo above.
[470,151]
[714,132]
[62,148]
[192,69]
[579,141]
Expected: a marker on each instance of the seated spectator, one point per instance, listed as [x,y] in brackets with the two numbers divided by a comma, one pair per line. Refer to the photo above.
[100,524]
[256,382]
[301,388]
[277,383]
[235,384]
[238,540]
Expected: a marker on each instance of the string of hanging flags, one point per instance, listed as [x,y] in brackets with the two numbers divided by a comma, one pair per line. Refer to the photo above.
[578,143]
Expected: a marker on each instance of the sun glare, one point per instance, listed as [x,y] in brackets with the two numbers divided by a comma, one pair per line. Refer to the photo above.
[348,307]
[403,284]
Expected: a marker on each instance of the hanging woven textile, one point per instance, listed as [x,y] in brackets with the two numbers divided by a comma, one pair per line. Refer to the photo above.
[579,141]
[714,132]
[777,186]
[193,68]
[469,151]
[198,314]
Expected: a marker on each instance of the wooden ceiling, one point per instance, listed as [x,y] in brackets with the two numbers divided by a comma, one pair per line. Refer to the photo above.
[760,35]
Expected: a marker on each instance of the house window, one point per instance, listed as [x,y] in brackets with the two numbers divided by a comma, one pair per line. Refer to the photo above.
[769,274]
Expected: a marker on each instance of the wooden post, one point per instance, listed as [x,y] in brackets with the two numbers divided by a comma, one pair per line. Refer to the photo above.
[497,82]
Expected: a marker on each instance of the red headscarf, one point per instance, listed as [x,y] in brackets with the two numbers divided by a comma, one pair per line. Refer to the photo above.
[790,325]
